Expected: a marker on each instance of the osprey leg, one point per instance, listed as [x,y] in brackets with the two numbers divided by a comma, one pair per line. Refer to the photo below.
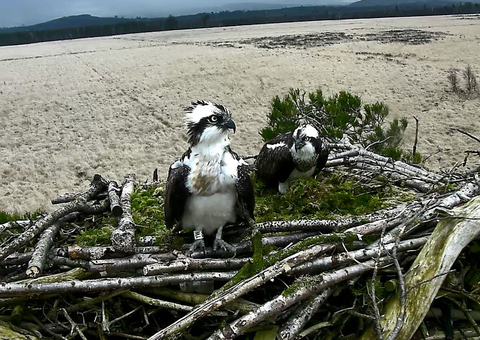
[220,244]
[198,242]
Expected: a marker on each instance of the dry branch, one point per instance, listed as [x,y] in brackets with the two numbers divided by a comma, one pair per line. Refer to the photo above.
[330,262]
[123,237]
[79,204]
[438,255]
[115,206]
[184,263]
[99,252]
[335,225]
[39,256]
[19,289]
[288,298]
[292,328]
[14,224]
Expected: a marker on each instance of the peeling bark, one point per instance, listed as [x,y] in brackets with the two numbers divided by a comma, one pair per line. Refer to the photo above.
[123,237]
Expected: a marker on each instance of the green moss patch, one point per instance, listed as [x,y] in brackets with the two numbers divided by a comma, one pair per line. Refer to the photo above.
[326,197]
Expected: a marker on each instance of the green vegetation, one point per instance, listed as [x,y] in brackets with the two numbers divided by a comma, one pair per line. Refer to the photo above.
[95,236]
[7,217]
[147,209]
[326,197]
[329,196]
[336,116]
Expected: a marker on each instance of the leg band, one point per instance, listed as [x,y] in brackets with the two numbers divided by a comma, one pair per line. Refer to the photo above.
[197,235]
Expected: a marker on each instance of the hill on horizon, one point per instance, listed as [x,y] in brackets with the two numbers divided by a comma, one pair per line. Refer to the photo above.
[235,15]
[67,22]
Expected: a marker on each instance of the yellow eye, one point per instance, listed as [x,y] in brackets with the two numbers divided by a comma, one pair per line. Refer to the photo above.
[213,119]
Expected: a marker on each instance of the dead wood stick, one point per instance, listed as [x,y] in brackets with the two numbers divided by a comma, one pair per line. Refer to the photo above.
[89,303]
[436,258]
[241,305]
[353,151]
[39,256]
[69,197]
[124,316]
[296,293]
[247,247]
[184,263]
[156,302]
[408,181]
[115,206]
[281,267]
[303,314]
[328,225]
[128,263]
[414,151]
[99,252]
[241,288]
[74,324]
[14,224]
[126,336]
[87,253]
[20,288]
[123,237]
[78,205]
[469,135]
[405,173]
[329,262]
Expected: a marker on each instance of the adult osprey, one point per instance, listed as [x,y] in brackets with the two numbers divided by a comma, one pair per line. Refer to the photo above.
[210,185]
[291,155]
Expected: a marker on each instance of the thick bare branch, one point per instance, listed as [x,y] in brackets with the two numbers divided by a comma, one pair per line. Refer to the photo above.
[39,256]
[123,237]
[292,328]
[115,206]
[18,289]
[78,205]
[298,292]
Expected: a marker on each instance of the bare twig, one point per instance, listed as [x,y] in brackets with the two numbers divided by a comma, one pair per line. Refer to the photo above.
[414,151]
[469,135]
[74,324]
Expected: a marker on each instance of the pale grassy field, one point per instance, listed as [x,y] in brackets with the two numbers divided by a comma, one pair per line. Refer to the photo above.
[114,105]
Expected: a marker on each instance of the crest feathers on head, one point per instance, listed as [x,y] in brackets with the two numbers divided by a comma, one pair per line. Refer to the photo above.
[200,109]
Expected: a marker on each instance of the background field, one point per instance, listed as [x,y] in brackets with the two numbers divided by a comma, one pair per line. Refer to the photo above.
[70,109]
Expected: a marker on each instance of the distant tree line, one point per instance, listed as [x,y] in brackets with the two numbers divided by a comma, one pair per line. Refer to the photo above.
[234,18]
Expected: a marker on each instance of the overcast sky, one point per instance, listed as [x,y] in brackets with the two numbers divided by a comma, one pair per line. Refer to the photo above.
[28,12]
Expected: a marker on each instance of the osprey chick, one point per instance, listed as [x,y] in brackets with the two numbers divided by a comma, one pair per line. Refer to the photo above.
[291,155]
[210,185]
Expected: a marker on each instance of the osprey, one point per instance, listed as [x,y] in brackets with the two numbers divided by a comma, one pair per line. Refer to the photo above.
[210,185]
[291,155]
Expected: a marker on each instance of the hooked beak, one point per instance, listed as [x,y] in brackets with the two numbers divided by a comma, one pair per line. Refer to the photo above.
[230,124]
[299,144]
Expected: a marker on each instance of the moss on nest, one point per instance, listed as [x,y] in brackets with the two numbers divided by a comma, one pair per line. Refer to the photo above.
[325,197]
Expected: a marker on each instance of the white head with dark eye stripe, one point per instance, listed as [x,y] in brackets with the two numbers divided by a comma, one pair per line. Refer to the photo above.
[305,135]
[208,122]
